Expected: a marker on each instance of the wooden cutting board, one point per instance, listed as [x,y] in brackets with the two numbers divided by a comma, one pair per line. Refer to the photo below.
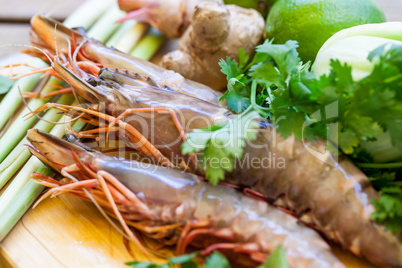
[69,232]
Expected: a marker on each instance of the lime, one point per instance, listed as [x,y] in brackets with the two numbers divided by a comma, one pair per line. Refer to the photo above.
[261,5]
[312,22]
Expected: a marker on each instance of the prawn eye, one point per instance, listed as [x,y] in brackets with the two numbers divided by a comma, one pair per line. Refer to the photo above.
[93,82]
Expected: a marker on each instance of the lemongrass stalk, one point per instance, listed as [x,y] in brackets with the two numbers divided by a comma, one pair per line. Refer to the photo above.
[31,166]
[87,13]
[16,159]
[19,201]
[104,28]
[128,35]
[20,125]
[13,206]
[83,16]
[20,205]
[12,100]
[123,29]
[16,185]
[78,18]
[148,45]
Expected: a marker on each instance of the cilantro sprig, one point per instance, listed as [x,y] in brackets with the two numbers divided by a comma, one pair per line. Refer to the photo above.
[348,113]
[221,145]
[283,89]
[277,259]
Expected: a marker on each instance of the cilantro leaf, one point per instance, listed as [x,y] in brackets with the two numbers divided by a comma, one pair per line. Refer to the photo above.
[183,258]
[139,264]
[350,114]
[230,68]
[277,259]
[221,145]
[216,260]
[237,95]
[389,208]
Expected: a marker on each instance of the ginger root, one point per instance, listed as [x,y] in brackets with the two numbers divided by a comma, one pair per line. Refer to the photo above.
[212,31]
[216,31]
[170,17]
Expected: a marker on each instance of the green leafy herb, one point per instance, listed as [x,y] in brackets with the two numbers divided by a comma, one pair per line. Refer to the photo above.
[5,84]
[215,260]
[221,145]
[389,208]
[334,107]
[277,259]
[299,103]
[236,96]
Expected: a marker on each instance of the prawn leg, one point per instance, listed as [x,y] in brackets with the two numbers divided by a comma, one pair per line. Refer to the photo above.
[102,182]
[135,136]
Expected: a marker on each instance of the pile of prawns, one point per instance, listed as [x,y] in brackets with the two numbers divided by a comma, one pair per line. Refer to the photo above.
[138,102]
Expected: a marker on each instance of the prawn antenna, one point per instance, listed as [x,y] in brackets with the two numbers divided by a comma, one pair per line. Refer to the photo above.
[55,41]
[75,67]
[24,64]
[32,113]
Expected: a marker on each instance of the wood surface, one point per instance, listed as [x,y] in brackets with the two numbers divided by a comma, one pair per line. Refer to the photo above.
[66,231]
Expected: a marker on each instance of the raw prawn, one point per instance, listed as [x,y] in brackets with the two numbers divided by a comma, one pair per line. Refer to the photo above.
[336,201]
[174,206]
[63,39]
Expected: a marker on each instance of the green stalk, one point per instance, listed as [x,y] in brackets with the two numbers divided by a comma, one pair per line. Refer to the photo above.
[12,100]
[13,206]
[20,125]
[128,35]
[123,30]
[106,25]
[88,13]
[31,166]
[20,205]
[148,45]
[20,195]
[20,201]
[380,165]
[20,154]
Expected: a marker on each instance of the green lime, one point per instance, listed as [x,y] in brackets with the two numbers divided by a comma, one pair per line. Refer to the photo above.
[261,5]
[312,22]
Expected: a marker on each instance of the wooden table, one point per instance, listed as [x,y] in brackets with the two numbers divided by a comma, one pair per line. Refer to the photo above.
[71,232]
